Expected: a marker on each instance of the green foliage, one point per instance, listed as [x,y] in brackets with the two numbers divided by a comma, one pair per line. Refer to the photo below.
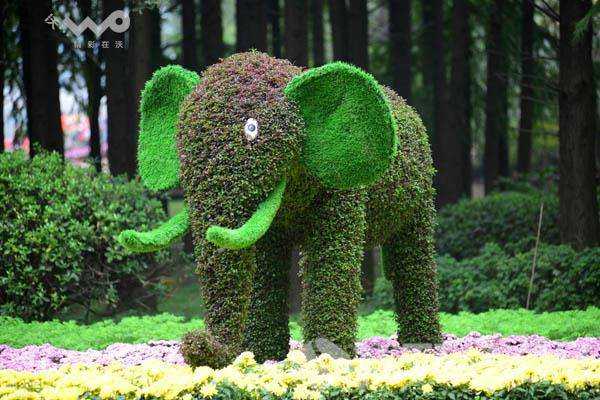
[200,348]
[331,269]
[253,229]
[405,222]
[559,325]
[564,279]
[351,135]
[504,218]
[163,236]
[497,278]
[161,98]
[57,238]
[269,310]
[225,177]
[348,129]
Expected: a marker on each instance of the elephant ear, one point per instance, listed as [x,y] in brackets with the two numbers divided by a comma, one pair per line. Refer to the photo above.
[158,162]
[351,134]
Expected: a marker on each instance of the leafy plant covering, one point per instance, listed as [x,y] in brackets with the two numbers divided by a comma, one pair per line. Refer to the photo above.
[327,133]
[410,376]
[564,280]
[57,239]
[562,325]
[351,134]
[506,218]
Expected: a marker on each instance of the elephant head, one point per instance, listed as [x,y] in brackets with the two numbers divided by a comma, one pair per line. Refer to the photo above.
[235,136]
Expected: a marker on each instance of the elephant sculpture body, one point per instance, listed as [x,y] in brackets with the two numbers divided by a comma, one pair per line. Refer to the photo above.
[271,157]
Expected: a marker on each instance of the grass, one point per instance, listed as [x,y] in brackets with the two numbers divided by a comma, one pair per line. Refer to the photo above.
[564,325]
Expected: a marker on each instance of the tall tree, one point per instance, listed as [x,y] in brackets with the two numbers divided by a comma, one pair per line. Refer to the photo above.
[120,116]
[318,45]
[358,33]
[40,76]
[496,105]
[251,24]
[211,31]
[455,144]
[93,74]
[3,14]
[273,15]
[188,27]
[527,71]
[578,204]
[295,35]
[143,62]
[338,15]
[434,75]
[400,26]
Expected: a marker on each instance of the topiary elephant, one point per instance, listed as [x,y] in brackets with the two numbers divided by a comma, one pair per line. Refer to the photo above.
[270,156]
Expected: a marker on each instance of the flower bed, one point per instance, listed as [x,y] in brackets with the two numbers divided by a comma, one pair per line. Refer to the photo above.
[471,374]
[38,358]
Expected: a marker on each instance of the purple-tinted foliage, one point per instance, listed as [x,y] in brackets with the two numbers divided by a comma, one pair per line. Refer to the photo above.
[46,356]
[37,358]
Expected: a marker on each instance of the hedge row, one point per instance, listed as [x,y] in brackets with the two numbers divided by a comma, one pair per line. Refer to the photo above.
[469,375]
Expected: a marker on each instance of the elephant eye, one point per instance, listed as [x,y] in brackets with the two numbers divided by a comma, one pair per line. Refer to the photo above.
[251,129]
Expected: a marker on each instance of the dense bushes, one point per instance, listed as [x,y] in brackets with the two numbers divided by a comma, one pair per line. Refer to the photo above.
[496,278]
[564,279]
[503,218]
[57,238]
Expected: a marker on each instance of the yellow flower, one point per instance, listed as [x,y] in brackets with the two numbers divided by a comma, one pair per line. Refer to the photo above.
[426,388]
[296,356]
[208,390]
[244,360]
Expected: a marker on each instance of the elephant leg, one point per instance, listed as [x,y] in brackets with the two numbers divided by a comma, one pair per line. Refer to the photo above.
[331,269]
[267,332]
[226,281]
[409,263]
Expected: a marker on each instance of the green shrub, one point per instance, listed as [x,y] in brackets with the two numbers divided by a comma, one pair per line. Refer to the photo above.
[498,278]
[503,218]
[564,279]
[58,225]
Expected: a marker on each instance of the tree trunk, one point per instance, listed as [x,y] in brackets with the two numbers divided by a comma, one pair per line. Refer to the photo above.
[188,28]
[400,26]
[121,134]
[578,219]
[358,33]
[338,15]
[496,106]
[93,75]
[369,266]
[273,17]
[40,77]
[455,143]
[295,35]
[211,31]
[157,56]
[318,46]
[251,23]
[441,157]
[426,49]
[3,11]
[527,71]
[142,59]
